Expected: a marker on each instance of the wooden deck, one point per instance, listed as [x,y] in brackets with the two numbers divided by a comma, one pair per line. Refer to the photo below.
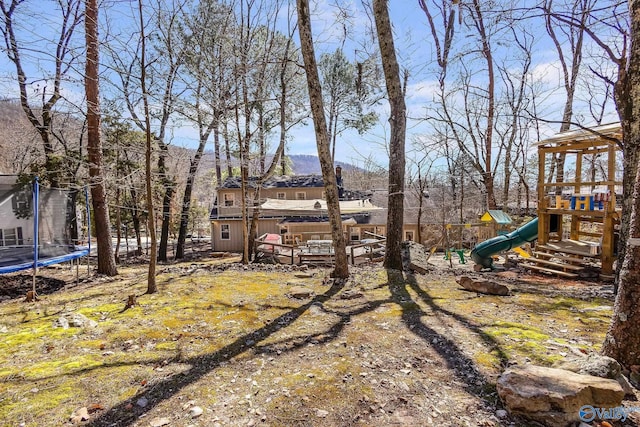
[574,247]
[317,254]
[567,258]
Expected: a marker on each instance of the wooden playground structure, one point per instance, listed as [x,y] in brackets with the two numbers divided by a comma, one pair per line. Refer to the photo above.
[578,217]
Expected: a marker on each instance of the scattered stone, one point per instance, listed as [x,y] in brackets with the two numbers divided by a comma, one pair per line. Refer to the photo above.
[403,418]
[553,396]
[195,412]
[303,275]
[351,294]
[316,309]
[142,402]
[501,413]
[61,322]
[74,320]
[188,404]
[482,286]
[300,292]
[321,413]
[159,422]
[3,329]
[79,415]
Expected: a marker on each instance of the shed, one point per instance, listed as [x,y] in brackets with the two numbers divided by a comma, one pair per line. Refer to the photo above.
[498,222]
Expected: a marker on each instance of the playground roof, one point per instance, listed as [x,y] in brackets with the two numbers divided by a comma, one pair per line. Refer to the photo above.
[498,216]
[603,133]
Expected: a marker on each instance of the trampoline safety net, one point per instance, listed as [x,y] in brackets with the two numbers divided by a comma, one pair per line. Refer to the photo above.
[54,228]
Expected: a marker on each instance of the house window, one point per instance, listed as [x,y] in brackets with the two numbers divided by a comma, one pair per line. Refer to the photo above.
[324,195]
[282,196]
[408,235]
[301,195]
[229,199]
[11,236]
[21,202]
[225,232]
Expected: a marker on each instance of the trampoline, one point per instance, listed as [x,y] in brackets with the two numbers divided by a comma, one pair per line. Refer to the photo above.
[37,226]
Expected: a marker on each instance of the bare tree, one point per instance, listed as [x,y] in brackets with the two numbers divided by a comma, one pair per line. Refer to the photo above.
[125,158]
[48,87]
[206,66]
[288,93]
[422,160]
[163,67]
[341,269]
[513,135]
[152,286]
[570,61]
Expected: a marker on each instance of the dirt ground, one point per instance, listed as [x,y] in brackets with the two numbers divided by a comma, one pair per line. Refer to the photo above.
[222,344]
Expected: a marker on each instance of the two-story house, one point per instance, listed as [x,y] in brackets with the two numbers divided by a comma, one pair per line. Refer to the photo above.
[293,207]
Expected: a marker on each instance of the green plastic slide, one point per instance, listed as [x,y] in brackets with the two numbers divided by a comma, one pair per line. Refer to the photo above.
[481,254]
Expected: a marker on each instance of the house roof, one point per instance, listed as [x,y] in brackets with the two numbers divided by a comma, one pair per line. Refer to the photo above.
[292,181]
[316,206]
[350,220]
[280,181]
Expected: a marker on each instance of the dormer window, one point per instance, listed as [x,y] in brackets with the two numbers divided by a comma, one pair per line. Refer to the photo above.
[229,199]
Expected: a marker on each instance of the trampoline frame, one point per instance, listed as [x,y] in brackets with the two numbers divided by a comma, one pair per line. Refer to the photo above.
[37,262]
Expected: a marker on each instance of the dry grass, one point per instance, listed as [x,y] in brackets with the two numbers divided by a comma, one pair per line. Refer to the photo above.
[377,349]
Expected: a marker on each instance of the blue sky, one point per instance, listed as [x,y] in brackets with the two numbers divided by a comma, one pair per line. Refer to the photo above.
[414,47]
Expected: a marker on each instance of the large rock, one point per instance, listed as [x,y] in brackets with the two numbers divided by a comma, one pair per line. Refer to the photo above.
[482,286]
[300,292]
[599,366]
[554,396]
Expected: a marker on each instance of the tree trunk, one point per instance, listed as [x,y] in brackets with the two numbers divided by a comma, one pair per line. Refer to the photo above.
[168,186]
[152,286]
[398,120]
[135,218]
[106,260]
[186,206]
[116,254]
[623,338]
[188,190]
[341,269]
[216,150]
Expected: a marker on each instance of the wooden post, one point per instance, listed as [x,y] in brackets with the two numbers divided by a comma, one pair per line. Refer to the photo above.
[577,189]
[543,216]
